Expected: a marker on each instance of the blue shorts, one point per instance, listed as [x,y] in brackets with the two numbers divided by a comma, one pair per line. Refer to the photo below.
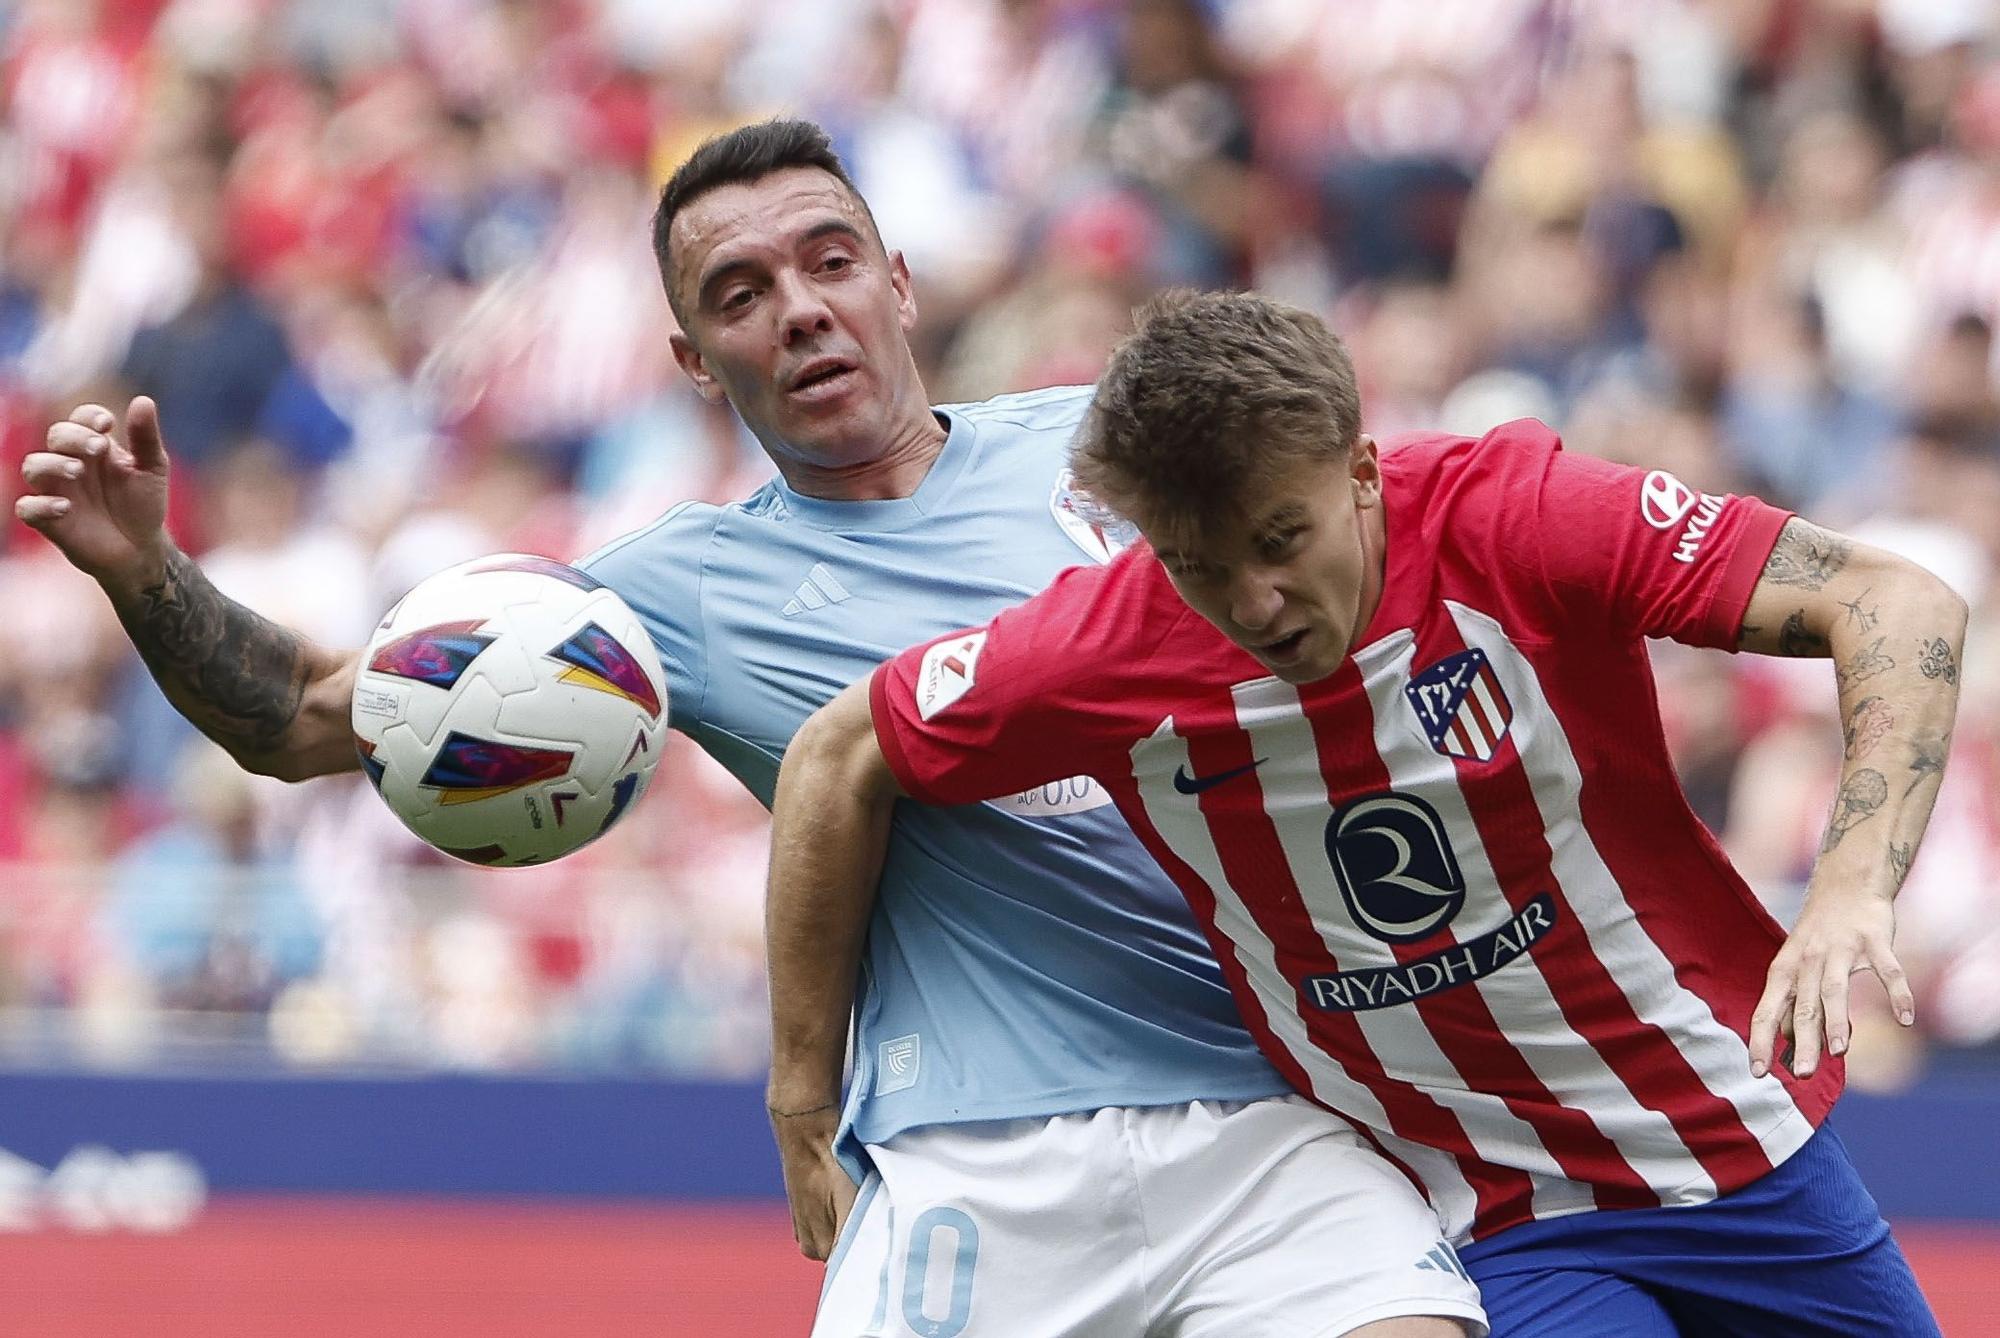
[1801,1253]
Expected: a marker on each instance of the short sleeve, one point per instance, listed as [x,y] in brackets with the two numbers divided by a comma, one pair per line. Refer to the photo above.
[992,710]
[1643,553]
[658,571]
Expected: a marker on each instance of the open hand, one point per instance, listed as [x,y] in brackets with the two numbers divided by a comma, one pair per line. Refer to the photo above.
[1805,991]
[101,501]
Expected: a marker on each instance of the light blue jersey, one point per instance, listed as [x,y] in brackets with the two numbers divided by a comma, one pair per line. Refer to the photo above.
[1026,957]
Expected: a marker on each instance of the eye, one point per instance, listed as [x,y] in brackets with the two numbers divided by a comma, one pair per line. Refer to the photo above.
[736,299]
[836,263]
[1280,543]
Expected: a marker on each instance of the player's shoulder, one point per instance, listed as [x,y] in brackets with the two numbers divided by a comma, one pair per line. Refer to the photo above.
[680,530]
[1053,409]
[1511,450]
[1488,481]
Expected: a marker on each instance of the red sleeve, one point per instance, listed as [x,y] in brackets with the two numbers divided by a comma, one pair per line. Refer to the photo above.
[1641,552]
[992,711]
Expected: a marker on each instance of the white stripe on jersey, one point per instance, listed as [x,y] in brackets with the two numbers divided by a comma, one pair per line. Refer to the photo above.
[1295,799]
[1185,831]
[1635,962]
[1567,1064]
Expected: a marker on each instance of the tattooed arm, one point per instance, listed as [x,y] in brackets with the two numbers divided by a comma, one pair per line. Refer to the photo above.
[277,702]
[1894,633]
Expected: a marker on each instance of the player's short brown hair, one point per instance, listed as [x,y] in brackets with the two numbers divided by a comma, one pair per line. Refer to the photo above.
[1213,393]
[747,153]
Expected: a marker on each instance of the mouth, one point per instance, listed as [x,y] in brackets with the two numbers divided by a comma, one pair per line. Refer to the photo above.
[1285,650]
[820,377]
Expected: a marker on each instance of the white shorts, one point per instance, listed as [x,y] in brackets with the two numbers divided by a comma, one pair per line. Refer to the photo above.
[1260,1219]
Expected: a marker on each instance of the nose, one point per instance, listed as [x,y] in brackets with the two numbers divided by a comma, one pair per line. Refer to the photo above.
[806,315]
[1254,598]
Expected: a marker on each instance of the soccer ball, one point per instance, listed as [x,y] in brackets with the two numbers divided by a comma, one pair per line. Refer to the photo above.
[509,710]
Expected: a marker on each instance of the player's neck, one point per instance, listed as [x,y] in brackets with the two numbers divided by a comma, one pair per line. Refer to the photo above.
[896,472]
[1374,567]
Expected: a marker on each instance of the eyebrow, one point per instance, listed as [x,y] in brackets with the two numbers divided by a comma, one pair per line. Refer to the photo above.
[715,278]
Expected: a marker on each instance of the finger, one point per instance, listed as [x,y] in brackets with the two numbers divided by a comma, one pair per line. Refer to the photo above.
[1771,1008]
[74,439]
[1833,987]
[45,470]
[1882,958]
[41,512]
[845,1192]
[1807,1020]
[93,416]
[142,433]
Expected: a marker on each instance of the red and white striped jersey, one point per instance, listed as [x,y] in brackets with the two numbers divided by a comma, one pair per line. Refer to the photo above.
[1455,887]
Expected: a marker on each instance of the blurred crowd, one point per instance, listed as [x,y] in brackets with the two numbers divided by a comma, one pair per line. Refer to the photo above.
[384,264]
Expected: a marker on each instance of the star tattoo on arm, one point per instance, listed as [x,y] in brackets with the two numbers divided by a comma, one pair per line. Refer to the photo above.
[1806,556]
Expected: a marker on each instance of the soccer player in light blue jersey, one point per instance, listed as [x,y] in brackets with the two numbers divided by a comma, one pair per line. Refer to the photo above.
[1056,1123]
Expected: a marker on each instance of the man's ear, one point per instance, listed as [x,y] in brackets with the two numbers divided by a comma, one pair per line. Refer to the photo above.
[1364,467]
[906,293]
[690,360]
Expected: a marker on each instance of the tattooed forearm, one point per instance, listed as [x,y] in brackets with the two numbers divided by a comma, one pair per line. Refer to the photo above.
[1861,795]
[1866,664]
[1799,641]
[1935,660]
[1806,556]
[1927,759]
[1901,855]
[1870,719]
[238,676]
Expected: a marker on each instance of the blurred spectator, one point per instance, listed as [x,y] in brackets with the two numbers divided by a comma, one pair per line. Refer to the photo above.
[385,263]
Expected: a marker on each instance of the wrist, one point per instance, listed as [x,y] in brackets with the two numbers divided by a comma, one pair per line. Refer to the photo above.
[145,570]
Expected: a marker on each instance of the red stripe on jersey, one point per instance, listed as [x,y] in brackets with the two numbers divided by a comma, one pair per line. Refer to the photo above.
[1638,1053]
[1201,899]
[1253,860]
[1704,943]
[1459,1020]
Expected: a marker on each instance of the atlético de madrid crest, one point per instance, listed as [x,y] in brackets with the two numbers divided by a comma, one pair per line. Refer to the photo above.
[1460,705]
[1090,527]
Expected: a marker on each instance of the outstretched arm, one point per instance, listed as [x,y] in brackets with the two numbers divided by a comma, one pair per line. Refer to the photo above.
[829,836]
[277,702]
[1895,633]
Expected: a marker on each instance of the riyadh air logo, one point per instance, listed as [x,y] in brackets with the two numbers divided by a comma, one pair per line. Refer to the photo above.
[897,1060]
[1461,706]
[1098,532]
[946,673]
[1396,871]
[1402,883]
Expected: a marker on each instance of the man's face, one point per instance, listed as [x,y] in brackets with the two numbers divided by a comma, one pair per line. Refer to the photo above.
[797,315]
[1285,576]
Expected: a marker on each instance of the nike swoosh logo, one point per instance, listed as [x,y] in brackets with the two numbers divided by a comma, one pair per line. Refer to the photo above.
[1187,784]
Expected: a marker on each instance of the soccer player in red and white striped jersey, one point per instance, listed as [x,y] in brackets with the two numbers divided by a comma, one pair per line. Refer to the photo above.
[1387,718]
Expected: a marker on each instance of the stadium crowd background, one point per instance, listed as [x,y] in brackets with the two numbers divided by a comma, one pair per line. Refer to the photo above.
[385,265]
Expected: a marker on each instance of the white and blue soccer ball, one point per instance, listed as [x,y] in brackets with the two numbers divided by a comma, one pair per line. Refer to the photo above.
[510,710]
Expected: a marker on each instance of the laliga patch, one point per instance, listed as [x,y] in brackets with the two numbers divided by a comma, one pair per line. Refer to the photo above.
[1099,533]
[946,673]
[382,703]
